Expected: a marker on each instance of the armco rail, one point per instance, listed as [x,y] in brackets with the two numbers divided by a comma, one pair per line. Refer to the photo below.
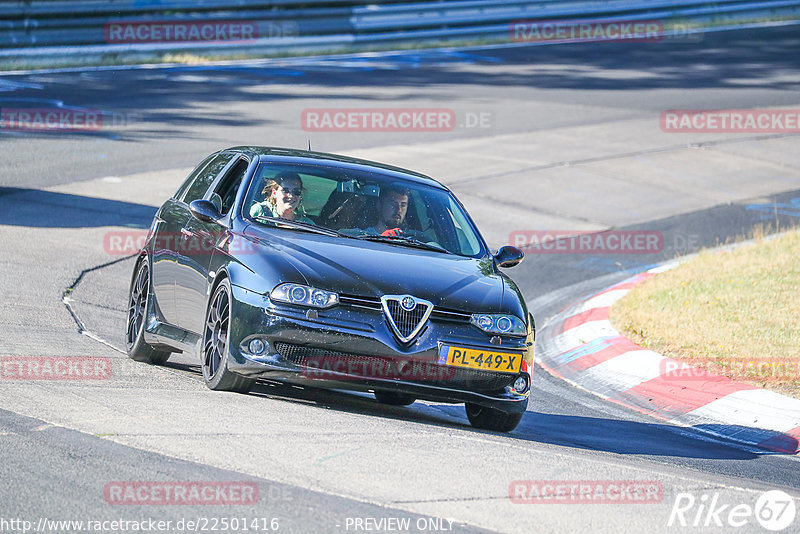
[54,27]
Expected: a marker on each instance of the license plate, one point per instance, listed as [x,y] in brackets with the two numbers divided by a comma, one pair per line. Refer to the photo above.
[486,360]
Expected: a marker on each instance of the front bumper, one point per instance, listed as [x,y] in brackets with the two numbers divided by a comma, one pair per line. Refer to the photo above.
[352,348]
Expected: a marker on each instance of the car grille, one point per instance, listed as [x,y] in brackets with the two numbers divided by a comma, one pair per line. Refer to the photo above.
[373,303]
[370,303]
[406,321]
[364,366]
[442,314]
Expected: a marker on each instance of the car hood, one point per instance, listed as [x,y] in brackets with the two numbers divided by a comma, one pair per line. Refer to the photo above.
[364,268]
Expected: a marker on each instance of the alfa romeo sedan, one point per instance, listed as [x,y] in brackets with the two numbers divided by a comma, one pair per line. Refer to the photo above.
[328,271]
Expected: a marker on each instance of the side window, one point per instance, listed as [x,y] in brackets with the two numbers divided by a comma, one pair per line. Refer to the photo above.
[225,193]
[186,183]
[206,177]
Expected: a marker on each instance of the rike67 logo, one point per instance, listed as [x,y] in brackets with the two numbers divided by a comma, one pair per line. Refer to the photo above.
[774,510]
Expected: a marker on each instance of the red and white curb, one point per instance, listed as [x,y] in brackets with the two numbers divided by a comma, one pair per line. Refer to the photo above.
[581,346]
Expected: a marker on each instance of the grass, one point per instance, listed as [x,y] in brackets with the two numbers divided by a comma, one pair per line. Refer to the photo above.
[732,313]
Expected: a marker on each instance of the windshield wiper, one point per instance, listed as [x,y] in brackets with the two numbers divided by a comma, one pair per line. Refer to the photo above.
[301,226]
[403,240]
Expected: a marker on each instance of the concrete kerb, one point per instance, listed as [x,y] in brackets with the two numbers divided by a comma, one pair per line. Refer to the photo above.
[581,346]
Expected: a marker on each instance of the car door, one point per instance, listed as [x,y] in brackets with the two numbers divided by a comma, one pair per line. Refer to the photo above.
[164,255]
[199,242]
[168,262]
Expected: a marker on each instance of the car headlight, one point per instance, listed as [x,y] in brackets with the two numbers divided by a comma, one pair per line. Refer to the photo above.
[497,323]
[304,296]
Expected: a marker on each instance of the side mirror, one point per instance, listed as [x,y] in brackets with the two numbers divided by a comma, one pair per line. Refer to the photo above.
[205,211]
[508,256]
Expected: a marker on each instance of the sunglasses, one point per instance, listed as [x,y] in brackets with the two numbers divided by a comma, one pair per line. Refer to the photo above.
[296,191]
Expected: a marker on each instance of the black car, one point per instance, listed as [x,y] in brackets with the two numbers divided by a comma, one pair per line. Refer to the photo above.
[324,270]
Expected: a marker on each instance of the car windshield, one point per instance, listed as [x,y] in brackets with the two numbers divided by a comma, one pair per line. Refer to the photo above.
[361,205]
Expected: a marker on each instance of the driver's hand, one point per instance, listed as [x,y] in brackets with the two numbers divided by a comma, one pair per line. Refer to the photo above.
[393,232]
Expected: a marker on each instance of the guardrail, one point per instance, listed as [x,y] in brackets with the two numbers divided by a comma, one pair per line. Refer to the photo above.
[42,27]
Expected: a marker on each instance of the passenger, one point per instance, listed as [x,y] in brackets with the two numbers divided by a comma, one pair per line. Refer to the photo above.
[282,197]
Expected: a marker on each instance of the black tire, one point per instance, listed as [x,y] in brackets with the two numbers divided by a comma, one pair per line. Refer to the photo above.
[394,399]
[138,301]
[492,419]
[215,350]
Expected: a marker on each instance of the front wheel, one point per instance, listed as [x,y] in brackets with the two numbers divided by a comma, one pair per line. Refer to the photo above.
[492,419]
[215,350]
[138,301]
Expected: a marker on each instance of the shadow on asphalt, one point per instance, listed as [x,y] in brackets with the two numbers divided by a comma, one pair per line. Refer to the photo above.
[46,209]
[590,433]
[162,104]
[625,437]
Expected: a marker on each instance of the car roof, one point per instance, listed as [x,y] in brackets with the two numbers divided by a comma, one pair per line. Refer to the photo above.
[291,155]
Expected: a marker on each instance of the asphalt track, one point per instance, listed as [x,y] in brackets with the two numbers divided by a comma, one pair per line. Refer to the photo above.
[570,142]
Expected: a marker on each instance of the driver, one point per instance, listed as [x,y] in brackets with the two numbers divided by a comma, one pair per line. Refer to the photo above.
[392,207]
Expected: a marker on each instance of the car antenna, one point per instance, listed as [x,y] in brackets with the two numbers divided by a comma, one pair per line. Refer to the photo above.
[309,145]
